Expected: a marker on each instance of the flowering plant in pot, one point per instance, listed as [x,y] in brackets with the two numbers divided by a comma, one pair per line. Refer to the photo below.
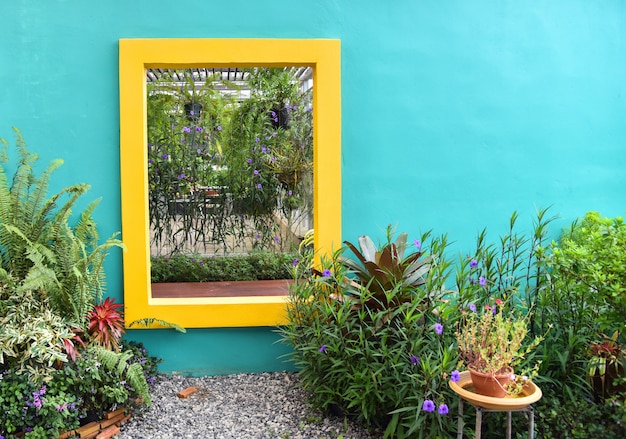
[491,343]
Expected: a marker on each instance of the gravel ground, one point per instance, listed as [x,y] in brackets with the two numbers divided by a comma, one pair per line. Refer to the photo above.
[244,406]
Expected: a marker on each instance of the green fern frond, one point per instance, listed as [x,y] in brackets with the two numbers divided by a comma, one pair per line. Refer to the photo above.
[117,362]
[146,322]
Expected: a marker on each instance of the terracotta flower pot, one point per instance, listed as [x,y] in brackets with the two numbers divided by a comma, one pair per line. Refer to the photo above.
[491,385]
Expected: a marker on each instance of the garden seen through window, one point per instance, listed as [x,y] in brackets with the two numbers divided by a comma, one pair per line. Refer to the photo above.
[230,160]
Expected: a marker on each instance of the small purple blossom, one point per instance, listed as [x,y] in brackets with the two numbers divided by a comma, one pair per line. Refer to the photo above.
[443,409]
[191,113]
[439,328]
[473,263]
[493,310]
[273,114]
[181,176]
[199,151]
[259,186]
[263,149]
[165,156]
[418,244]
[326,273]
[274,134]
[455,376]
[428,406]
[256,172]
[257,140]
[249,160]
[276,239]
[186,130]
[290,193]
[482,281]
[472,307]
[219,128]
[257,236]
[275,119]
[294,262]
[149,161]
[199,129]
[322,348]
[414,359]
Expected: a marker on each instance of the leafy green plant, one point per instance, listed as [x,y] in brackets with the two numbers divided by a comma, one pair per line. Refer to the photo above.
[382,360]
[33,337]
[39,250]
[255,266]
[39,411]
[492,341]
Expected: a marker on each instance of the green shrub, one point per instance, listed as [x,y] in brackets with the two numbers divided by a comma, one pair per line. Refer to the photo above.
[383,359]
[255,266]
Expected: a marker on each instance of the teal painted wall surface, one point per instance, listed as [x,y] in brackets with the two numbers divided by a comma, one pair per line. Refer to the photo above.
[454,115]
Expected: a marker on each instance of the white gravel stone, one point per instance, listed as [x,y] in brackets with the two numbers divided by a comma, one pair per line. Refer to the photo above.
[243,406]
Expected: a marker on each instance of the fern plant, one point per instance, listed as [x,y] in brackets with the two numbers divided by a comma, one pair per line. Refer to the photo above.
[39,249]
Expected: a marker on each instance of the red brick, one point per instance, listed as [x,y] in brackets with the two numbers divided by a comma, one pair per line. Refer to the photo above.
[115,413]
[108,433]
[187,392]
[87,430]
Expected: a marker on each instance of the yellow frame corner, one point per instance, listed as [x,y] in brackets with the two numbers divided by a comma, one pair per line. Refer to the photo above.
[135,56]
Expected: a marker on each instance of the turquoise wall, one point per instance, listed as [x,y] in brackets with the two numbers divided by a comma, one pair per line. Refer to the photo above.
[455,114]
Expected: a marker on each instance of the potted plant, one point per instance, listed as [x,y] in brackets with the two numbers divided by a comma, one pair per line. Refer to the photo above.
[491,344]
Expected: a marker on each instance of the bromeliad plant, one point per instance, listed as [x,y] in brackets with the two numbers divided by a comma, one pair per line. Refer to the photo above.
[385,269]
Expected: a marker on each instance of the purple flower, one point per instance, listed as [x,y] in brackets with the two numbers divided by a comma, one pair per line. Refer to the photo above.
[256,172]
[186,130]
[294,262]
[259,186]
[165,156]
[273,114]
[428,406]
[276,119]
[439,328]
[472,307]
[418,244]
[326,273]
[191,113]
[455,376]
[150,161]
[249,160]
[263,149]
[472,281]
[482,281]
[257,140]
[173,127]
[274,134]
[199,129]
[322,348]
[443,409]
[257,236]
[473,263]
[181,176]
[290,193]
[493,310]
[414,360]
[199,151]
[276,239]
[310,109]
[219,128]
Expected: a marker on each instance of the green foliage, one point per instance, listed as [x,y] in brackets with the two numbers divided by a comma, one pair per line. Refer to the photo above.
[39,250]
[377,359]
[255,266]
[229,177]
[39,410]
[32,336]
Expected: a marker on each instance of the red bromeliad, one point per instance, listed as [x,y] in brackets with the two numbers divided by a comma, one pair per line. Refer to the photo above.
[106,324]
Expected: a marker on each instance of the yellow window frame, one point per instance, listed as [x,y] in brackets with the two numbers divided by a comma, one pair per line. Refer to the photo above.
[137,55]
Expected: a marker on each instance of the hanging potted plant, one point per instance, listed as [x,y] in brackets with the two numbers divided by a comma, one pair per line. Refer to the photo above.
[491,343]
